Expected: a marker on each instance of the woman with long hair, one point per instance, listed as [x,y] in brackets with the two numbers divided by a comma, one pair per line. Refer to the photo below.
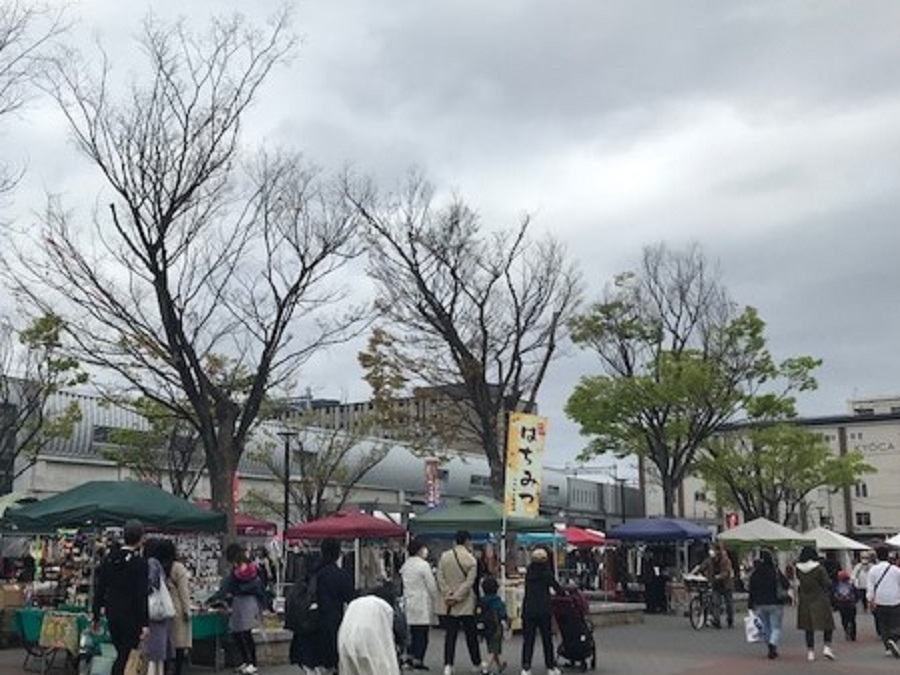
[157,645]
[177,581]
[765,586]
[814,610]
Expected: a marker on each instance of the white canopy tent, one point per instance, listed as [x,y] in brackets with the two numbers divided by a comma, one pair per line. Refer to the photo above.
[764,532]
[894,541]
[827,540]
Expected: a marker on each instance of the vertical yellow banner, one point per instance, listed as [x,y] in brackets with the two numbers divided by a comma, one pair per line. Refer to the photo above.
[524,464]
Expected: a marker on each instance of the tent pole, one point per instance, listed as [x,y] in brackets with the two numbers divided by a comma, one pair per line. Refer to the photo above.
[356,563]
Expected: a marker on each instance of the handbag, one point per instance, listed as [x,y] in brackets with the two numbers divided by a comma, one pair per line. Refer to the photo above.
[160,606]
[137,663]
[753,628]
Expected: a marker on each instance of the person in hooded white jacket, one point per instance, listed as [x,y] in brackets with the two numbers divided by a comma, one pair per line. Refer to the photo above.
[366,638]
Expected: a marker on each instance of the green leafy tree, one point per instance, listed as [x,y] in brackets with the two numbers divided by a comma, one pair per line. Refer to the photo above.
[34,367]
[679,359]
[767,464]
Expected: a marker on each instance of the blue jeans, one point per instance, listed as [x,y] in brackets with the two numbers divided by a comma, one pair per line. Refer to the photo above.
[770,617]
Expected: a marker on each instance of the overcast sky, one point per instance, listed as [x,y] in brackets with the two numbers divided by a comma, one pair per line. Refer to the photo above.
[766,131]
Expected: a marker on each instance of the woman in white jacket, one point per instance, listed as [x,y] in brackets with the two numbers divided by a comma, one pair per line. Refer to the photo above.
[420,594]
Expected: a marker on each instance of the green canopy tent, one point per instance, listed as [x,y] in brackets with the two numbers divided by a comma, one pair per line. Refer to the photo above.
[477,515]
[110,503]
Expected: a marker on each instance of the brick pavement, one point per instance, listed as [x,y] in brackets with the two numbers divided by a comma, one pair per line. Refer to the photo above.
[663,645]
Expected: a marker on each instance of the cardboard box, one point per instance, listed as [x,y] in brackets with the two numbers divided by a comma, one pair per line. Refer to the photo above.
[12,596]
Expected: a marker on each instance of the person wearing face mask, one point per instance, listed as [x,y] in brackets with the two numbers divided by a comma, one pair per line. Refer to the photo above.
[718,570]
[420,594]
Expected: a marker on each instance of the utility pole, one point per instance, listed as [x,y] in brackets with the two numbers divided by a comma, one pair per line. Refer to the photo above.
[287,435]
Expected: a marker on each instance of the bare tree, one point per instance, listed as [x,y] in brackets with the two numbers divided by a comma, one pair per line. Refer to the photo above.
[33,368]
[26,28]
[327,464]
[211,278]
[476,314]
[166,453]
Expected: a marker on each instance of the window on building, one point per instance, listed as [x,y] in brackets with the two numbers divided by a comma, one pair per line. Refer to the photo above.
[863,518]
[699,496]
[480,482]
[895,409]
[553,490]
[861,490]
[443,474]
[864,411]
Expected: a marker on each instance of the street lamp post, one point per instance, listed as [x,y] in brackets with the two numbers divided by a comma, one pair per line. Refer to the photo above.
[287,436]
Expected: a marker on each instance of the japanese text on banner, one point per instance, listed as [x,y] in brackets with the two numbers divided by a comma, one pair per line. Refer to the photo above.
[524,464]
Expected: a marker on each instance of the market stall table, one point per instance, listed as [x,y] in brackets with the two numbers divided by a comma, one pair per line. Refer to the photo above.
[45,642]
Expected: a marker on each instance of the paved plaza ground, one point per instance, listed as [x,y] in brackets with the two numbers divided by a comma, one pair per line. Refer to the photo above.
[664,645]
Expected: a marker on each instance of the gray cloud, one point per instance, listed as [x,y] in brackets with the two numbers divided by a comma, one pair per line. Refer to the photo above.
[766,131]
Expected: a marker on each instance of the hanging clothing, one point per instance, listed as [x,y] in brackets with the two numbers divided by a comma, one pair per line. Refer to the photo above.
[366,639]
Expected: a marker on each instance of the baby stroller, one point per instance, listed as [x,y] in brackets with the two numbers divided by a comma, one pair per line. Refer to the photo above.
[570,610]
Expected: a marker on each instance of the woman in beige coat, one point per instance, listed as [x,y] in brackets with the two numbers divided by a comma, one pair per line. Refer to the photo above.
[177,578]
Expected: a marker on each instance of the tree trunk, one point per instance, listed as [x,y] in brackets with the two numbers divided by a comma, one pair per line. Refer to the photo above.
[670,491]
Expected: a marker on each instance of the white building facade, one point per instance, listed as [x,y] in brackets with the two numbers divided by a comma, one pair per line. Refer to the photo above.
[871,508]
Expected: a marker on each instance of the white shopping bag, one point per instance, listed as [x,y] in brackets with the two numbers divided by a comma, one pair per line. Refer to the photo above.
[753,628]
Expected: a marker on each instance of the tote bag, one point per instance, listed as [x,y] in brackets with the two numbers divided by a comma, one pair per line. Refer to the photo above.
[160,602]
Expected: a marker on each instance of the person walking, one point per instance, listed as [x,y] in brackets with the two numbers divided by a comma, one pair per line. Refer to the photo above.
[244,589]
[860,575]
[537,610]
[317,652]
[157,646]
[814,603]
[883,593]
[178,583]
[844,599]
[765,588]
[457,572]
[720,572]
[121,594]
[420,595]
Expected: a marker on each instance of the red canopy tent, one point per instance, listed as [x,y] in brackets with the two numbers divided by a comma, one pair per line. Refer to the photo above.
[576,536]
[247,525]
[346,525]
[353,525]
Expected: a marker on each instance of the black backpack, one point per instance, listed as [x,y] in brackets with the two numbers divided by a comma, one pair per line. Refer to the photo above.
[301,609]
[487,623]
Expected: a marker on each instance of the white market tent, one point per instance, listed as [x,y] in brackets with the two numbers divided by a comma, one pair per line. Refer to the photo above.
[827,540]
[764,532]
[894,541]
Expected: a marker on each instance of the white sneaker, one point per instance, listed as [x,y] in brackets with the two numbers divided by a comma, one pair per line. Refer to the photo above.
[526,672]
[827,653]
[240,668]
[810,655]
[448,670]
[554,671]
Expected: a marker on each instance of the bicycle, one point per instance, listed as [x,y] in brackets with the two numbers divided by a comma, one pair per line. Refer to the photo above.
[702,604]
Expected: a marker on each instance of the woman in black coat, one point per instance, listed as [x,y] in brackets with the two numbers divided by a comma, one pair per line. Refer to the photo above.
[537,610]
[334,590]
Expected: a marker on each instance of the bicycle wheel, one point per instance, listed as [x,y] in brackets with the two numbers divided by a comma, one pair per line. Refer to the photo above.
[697,613]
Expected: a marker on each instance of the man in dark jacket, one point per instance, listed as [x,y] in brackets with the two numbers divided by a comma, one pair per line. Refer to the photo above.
[122,590]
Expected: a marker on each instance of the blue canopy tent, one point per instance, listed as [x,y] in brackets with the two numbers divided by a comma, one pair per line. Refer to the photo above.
[658,531]
[541,538]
